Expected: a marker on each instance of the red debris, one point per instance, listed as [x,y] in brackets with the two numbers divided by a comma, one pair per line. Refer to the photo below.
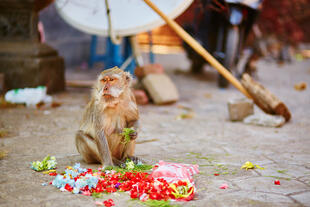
[108,203]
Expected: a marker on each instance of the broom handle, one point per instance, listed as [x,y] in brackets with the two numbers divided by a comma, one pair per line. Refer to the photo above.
[199,49]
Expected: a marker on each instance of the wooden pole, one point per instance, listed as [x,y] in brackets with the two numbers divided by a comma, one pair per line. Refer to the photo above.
[199,49]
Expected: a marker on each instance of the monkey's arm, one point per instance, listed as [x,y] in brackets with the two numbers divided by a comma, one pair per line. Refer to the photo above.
[104,150]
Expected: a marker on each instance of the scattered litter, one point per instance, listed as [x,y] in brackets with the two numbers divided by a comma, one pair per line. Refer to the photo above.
[3,154]
[156,203]
[28,96]
[187,108]
[166,181]
[108,203]
[3,133]
[49,171]
[44,184]
[265,120]
[300,86]
[182,190]
[277,182]
[48,163]
[4,104]
[99,203]
[282,171]
[248,165]
[216,174]
[224,186]
[179,176]
[187,115]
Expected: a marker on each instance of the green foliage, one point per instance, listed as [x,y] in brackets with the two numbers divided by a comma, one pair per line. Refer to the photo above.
[97,195]
[126,135]
[130,166]
[48,163]
[282,171]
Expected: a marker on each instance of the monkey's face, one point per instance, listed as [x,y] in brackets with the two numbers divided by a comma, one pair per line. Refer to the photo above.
[112,83]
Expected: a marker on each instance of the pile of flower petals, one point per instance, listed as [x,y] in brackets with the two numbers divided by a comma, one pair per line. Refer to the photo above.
[139,185]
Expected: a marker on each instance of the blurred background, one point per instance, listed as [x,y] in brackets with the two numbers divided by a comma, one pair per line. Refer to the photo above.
[280,22]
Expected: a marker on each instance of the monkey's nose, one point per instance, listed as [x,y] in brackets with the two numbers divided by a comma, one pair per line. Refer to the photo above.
[106,88]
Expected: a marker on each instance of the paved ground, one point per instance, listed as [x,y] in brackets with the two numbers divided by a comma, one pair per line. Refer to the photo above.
[208,139]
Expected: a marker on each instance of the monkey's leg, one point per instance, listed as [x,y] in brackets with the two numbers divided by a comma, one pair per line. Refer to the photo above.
[104,149]
[87,147]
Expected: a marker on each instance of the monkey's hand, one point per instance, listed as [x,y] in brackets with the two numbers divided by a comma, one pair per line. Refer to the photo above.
[135,126]
[133,135]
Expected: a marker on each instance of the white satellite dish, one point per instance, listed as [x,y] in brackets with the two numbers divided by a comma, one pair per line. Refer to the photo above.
[128,16]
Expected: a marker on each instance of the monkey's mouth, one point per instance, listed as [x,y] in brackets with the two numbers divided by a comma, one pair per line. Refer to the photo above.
[108,96]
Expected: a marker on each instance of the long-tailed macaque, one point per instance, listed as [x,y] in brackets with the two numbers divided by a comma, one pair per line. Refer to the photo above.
[111,109]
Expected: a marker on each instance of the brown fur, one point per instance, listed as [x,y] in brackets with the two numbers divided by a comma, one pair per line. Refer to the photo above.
[99,137]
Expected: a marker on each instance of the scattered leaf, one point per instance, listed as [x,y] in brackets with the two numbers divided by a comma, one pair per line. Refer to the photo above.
[248,165]
[184,107]
[224,186]
[300,86]
[3,154]
[259,167]
[277,177]
[282,171]
[157,203]
[187,115]
[3,133]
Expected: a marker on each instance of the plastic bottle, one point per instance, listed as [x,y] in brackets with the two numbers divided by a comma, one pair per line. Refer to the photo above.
[29,96]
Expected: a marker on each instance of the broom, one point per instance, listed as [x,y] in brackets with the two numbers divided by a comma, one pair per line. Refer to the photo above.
[263,98]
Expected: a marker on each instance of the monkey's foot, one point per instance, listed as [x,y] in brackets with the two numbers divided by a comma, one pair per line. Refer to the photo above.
[136,160]
[119,163]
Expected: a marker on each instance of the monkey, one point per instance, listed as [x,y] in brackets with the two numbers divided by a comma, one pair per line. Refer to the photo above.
[111,109]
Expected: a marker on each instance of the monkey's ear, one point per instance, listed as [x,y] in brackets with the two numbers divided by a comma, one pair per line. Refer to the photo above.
[127,77]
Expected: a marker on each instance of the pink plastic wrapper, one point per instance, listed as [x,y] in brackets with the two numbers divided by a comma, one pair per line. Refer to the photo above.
[173,172]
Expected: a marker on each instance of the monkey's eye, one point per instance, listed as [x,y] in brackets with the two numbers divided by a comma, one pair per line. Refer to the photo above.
[104,80]
[113,79]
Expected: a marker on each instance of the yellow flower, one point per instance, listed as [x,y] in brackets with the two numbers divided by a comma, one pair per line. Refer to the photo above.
[248,165]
